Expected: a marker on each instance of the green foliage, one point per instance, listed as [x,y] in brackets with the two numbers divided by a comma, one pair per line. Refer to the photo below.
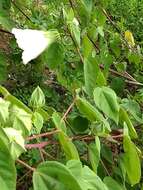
[73,114]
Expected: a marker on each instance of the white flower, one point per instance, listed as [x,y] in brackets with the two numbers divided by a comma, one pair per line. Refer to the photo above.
[33,42]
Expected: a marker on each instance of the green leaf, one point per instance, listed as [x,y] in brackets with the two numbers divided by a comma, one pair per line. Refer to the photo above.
[73,25]
[91,70]
[112,184]
[7,171]
[80,124]
[115,43]
[4,110]
[107,153]
[100,31]
[131,161]
[106,100]
[38,121]
[94,154]
[93,181]
[54,176]
[123,117]
[85,176]
[75,166]
[101,80]
[67,145]
[133,108]
[87,47]
[45,114]
[53,56]
[75,30]
[5,21]
[4,139]
[14,101]
[37,99]
[21,120]
[88,5]
[90,112]
[99,16]
[16,142]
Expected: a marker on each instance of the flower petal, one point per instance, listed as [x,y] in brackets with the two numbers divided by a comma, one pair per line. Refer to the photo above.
[33,42]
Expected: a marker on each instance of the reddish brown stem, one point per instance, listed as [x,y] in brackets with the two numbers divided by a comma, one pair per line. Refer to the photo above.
[40,145]
[43,135]
[86,138]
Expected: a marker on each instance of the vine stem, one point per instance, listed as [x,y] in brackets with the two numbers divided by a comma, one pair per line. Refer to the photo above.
[40,145]
[25,165]
[41,154]
[86,138]
[5,31]
[105,167]
[20,10]
[43,135]
[114,25]
[68,110]
[47,154]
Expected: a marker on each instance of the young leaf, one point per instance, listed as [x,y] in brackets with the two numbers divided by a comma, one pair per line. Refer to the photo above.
[129,37]
[37,99]
[38,121]
[27,39]
[106,100]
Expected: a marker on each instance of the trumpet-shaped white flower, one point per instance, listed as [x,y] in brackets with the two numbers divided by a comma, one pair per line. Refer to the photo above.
[33,42]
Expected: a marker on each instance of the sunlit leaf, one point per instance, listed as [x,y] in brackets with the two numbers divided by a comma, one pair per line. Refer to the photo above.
[16,142]
[106,100]
[54,175]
